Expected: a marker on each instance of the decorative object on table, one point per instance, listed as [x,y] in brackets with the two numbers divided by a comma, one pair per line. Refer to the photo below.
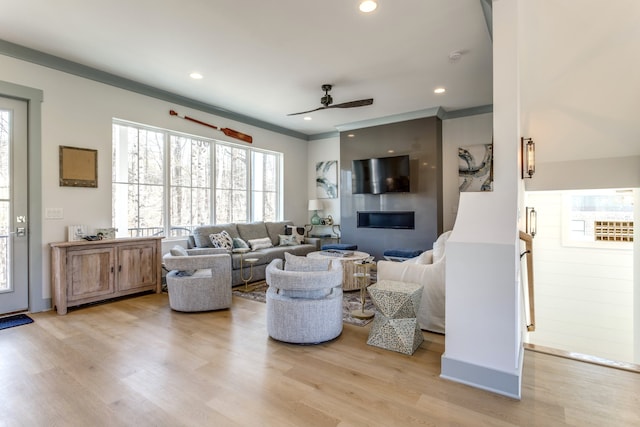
[78,167]
[475,167]
[229,132]
[362,275]
[395,326]
[315,206]
[327,179]
[337,253]
[76,232]
[250,261]
[106,233]
[327,221]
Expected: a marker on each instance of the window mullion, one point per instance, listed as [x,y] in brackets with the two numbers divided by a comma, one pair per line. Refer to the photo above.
[167,183]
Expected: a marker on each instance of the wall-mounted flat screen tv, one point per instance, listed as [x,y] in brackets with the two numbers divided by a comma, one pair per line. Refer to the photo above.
[381,175]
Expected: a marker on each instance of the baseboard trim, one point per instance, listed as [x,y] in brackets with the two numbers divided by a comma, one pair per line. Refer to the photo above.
[496,381]
[581,357]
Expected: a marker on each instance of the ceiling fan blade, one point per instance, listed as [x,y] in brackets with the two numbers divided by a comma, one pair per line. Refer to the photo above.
[351,104]
[305,112]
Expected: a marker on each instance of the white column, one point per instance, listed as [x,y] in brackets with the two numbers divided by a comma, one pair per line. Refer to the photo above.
[483,344]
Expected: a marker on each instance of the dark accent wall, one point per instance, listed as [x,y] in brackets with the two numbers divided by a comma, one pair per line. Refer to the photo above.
[421,139]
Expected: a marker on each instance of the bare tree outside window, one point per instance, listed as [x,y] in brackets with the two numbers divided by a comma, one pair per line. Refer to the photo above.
[231,184]
[198,181]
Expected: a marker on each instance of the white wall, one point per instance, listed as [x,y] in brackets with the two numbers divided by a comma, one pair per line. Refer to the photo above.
[78,112]
[580,103]
[583,295]
[483,344]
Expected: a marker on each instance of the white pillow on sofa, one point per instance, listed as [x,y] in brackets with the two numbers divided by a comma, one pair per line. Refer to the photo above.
[262,243]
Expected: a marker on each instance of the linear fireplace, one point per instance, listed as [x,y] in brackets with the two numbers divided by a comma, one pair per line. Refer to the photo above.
[387,219]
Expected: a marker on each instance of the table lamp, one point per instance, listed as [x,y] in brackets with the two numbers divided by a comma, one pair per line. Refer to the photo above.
[315,205]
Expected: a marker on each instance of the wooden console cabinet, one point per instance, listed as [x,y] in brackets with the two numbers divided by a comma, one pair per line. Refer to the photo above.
[83,272]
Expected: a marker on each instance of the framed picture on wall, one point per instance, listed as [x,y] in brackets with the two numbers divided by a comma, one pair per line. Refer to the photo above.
[78,167]
[327,179]
[475,167]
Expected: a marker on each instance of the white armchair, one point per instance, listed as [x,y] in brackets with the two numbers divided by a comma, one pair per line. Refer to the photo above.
[428,269]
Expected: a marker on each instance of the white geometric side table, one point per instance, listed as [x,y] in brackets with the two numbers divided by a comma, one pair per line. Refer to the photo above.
[395,326]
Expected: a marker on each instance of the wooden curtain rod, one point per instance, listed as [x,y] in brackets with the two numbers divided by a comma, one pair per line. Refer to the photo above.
[229,132]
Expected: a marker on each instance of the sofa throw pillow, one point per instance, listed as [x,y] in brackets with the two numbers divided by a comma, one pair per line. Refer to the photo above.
[238,243]
[298,232]
[262,243]
[178,250]
[287,240]
[222,240]
[301,263]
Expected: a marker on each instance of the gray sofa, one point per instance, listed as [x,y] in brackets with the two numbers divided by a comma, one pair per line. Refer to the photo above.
[250,231]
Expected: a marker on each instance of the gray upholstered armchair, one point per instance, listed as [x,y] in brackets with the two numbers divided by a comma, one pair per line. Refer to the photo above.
[198,282]
[304,307]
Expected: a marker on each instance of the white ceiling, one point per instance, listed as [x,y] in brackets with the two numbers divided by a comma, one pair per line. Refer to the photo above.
[265,59]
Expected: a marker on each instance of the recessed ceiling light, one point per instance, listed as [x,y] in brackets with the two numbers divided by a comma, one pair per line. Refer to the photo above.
[439,90]
[307,118]
[368,6]
[391,151]
[351,135]
[195,76]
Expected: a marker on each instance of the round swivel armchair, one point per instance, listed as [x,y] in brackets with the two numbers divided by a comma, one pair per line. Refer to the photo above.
[304,307]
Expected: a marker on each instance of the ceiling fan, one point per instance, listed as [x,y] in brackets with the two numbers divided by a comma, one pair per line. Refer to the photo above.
[327,102]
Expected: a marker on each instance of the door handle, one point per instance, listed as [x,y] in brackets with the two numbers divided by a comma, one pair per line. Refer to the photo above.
[21,231]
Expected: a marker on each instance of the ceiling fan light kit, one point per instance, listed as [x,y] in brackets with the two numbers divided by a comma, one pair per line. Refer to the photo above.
[327,102]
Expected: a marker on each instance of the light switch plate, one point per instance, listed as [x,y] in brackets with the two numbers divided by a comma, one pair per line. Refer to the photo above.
[53,213]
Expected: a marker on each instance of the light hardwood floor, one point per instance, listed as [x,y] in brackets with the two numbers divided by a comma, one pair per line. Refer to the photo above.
[134,362]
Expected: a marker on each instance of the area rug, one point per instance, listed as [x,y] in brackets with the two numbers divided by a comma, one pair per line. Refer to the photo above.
[16,320]
[350,301]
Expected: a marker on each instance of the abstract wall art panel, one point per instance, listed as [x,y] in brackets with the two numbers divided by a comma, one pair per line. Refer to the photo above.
[475,167]
[327,179]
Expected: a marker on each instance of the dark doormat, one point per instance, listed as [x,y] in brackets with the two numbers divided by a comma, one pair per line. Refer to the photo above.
[17,320]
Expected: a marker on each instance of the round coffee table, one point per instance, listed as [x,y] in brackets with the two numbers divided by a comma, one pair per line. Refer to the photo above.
[349,282]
